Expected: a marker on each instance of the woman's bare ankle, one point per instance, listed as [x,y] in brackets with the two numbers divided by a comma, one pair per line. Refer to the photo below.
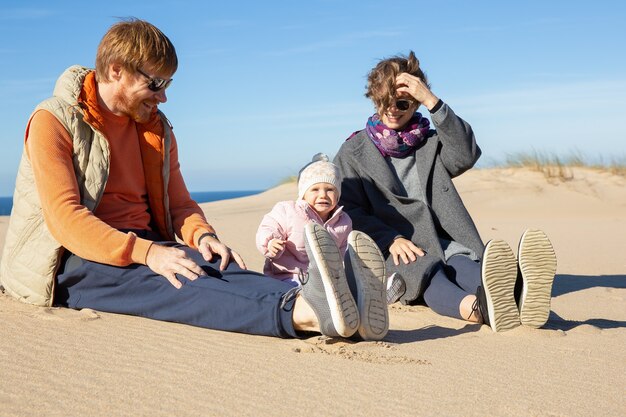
[469,309]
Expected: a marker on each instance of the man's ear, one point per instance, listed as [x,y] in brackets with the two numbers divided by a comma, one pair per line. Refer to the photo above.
[115,71]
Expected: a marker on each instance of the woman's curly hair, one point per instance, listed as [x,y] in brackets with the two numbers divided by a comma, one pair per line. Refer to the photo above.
[381,80]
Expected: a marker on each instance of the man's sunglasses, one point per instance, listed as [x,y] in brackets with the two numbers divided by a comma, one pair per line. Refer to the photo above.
[156,84]
[403,104]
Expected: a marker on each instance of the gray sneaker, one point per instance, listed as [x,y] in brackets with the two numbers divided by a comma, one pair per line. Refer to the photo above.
[396,287]
[499,273]
[324,286]
[365,270]
[537,266]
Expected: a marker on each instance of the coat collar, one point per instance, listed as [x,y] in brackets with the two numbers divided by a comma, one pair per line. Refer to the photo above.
[374,164]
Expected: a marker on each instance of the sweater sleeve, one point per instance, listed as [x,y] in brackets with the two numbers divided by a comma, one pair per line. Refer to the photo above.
[187,217]
[50,151]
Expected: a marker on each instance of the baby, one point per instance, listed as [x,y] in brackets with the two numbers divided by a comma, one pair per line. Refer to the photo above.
[284,238]
[280,236]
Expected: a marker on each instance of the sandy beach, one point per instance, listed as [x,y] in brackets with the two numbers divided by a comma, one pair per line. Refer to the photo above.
[61,362]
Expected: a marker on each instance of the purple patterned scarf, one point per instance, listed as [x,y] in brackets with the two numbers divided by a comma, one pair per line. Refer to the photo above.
[397,143]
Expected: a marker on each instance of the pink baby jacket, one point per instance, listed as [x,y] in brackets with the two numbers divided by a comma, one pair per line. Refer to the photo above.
[286,221]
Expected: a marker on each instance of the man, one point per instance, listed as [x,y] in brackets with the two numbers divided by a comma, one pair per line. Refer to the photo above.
[100,201]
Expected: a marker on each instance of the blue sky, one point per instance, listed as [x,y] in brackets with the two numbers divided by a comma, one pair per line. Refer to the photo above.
[264,85]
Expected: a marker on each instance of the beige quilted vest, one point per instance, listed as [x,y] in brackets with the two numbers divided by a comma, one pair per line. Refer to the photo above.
[31,256]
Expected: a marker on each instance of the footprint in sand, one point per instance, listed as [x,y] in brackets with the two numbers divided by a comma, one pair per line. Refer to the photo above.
[370,352]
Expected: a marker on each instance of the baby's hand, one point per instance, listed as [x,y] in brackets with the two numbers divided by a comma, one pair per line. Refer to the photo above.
[274,246]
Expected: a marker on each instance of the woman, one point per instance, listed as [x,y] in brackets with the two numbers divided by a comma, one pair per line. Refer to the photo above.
[398,189]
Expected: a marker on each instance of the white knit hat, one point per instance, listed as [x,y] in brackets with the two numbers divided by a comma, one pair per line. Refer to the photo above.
[320,169]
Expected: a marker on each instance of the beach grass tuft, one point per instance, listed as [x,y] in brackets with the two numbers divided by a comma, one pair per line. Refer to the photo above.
[553,166]
[559,167]
[288,180]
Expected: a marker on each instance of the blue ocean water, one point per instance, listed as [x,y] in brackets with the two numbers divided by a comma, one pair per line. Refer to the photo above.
[200,197]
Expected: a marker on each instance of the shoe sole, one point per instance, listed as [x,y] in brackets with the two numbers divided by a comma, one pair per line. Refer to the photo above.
[341,304]
[367,264]
[499,273]
[397,290]
[537,264]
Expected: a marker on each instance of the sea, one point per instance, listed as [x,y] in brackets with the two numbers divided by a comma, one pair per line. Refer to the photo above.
[200,197]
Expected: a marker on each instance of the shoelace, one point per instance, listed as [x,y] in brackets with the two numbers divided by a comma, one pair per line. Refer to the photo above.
[286,302]
[475,308]
[302,276]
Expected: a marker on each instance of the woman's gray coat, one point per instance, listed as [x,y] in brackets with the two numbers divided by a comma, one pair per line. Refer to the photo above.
[372,195]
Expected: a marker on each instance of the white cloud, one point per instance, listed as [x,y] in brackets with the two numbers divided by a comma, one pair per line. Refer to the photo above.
[508,26]
[337,42]
[25,13]
[224,23]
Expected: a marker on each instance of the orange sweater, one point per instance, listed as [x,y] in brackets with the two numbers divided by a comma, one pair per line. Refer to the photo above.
[94,236]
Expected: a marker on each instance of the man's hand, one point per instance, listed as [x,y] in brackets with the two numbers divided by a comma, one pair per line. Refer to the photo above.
[168,261]
[406,250]
[210,246]
[274,246]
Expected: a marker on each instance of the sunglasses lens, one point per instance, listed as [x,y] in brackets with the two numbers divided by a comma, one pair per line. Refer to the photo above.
[157,84]
[403,105]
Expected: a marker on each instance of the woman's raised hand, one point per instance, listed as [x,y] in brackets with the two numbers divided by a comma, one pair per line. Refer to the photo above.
[412,85]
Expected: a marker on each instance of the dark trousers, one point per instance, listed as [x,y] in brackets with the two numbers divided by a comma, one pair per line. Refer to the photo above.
[451,283]
[233,300]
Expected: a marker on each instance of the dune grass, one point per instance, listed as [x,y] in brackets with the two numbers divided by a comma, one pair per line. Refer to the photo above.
[559,167]
[554,167]
[288,180]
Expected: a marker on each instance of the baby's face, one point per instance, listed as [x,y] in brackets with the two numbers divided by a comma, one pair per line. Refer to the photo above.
[322,197]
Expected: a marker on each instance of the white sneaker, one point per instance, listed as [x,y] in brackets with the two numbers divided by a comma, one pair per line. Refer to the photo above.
[324,286]
[499,273]
[365,268]
[537,265]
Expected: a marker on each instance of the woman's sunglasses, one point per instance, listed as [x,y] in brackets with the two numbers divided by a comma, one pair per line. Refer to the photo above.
[403,104]
[156,84]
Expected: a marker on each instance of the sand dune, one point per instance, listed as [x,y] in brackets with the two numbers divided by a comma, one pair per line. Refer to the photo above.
[62,362]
